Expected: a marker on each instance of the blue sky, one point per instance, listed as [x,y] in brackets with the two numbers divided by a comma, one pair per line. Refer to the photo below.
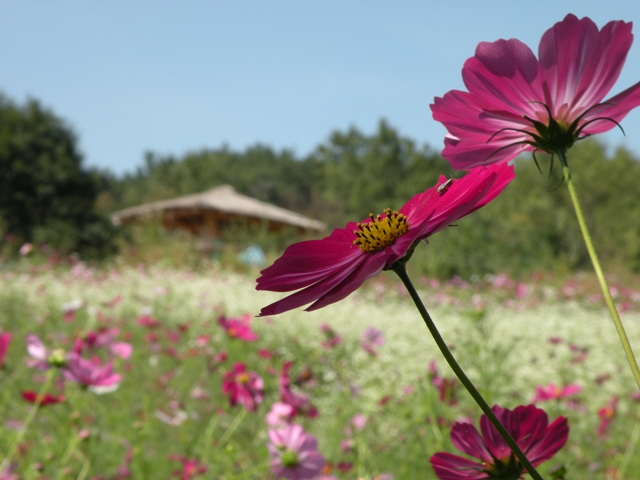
[170,77]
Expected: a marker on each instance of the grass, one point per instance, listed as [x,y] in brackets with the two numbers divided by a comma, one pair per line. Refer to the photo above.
[169,405]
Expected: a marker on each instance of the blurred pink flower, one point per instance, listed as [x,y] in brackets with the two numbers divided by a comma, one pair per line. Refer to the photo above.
[371,338]
[191,468]
[239,328]
[326,271]
[606,415]
[517,102]
[26,249]
[104,337]
[39,354]
[280,415]
[446,386]
[5,340]
[264,353]
[8,472]
[529,427]
[347,445]
[90,373]
[299,401]
[294,453]
[47,399]
[553,392]
[244,387]
[359,421]
[332,339]
[147,321]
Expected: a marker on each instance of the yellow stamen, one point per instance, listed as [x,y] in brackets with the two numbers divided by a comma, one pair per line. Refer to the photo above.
[380,231]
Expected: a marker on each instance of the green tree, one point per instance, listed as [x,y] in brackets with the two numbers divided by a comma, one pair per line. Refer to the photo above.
[45,194]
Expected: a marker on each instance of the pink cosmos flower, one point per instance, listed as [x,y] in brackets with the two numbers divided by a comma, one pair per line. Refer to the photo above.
[5,340]
[516,102]
[552,392]
[47,398]
[147,321]
[299,401]
[606,415]
[239,328]
[328,270]
[370,338]
[529,427]
[41,357]
[280,415]
[446,386]
[191,468]
[359,421]
[90,373]
[332,339]
[294,453]
[244,387]
[104,337]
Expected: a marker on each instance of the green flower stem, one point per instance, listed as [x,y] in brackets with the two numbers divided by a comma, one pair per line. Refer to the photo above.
[233,427]
[400,269]
[30,416]
[208,436]
[596,266]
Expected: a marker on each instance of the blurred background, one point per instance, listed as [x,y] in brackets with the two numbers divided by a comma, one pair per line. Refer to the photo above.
[321,109]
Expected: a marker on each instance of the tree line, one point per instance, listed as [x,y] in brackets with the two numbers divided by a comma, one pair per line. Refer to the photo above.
[48,195]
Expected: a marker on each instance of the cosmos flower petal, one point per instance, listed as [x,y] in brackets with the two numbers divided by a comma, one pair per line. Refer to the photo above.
[466,438]
[324,286]
[547,445]
[369,268]
[614,108]
[305,263]
[452,467]
[581,64]
[504,76]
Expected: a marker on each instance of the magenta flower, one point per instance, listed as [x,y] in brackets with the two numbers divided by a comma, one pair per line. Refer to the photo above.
[299,401]
[5,340]
[446,386]
[332,339]
[191,468]
[529,427]
[552,392]
[90,373]
[47,398]
[104,337]
[239,328]
[328,270]
[370,338]
[516,102]
[294,453]
[41,357]
[244,387]
[606,415]
[280,415]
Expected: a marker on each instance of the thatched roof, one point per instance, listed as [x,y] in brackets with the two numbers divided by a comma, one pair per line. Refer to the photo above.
[222,199]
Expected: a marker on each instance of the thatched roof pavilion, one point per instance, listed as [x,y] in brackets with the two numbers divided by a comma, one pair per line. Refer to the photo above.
[206,214]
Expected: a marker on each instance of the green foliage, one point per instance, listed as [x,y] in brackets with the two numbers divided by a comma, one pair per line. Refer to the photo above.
[531,226]
[45,195]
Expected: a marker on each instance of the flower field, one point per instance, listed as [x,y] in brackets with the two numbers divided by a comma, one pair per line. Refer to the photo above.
[168,374]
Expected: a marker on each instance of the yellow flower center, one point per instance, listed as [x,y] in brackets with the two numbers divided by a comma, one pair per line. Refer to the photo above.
[243,378]
[380,231]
